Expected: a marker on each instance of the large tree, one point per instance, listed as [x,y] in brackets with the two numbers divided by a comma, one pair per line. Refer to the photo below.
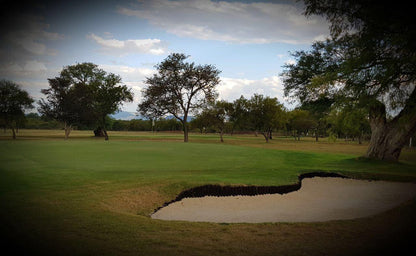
[215,115]
[179,88]
[109,94]
[369,61]
[65,103]
[13,102]
[301,122]
[266,114]
[83,94]
[319,110]
[352,122]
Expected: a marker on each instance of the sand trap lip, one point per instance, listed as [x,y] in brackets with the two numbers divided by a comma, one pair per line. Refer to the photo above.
[318,199]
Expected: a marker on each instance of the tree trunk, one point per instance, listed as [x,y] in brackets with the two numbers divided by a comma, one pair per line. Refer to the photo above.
[385,143]
[266,136]
[105,134]
[221,134]
[104,128]
[388,138]
[185,131]
[67,129]
[14,132]
[316,135]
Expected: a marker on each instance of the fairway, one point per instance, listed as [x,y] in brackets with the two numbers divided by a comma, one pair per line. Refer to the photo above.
[91,197]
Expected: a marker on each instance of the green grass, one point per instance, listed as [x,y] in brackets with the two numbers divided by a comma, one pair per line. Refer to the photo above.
[86,196]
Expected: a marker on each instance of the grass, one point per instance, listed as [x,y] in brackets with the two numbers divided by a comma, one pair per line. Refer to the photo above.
[86,196]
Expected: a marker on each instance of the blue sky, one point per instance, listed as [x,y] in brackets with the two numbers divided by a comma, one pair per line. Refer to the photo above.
[249,41]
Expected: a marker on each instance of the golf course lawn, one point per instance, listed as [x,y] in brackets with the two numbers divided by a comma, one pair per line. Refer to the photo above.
[87,196]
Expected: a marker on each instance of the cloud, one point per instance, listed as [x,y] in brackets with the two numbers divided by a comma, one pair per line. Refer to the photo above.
[128,73]
[28,68]
[231,89]
[134,78]
[118,47]
[28,35]
[234,22]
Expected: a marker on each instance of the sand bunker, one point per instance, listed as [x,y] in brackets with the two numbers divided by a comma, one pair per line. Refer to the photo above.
[319,199]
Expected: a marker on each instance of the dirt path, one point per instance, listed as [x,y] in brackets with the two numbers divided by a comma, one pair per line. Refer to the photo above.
[319,199]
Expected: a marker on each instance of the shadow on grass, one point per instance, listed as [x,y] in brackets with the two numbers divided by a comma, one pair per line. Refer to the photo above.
[372,169]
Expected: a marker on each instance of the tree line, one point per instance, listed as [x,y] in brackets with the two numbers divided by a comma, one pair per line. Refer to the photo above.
[363,75]
[225,118]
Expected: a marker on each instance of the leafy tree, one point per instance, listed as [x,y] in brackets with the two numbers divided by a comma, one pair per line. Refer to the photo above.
[369,61]
[108,97]
[64,103]
[319,110]
[239,114]
[300,121]
[217,116]
[266,114]
[13,102]
[201,121]
[84,94]
[179,88]
[350,122]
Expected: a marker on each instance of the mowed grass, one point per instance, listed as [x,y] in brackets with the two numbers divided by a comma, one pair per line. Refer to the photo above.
[86,196]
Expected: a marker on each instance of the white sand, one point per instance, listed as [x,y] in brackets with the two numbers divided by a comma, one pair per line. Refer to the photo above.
[319,199]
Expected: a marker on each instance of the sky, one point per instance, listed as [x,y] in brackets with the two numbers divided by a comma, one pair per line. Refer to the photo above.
[249,41]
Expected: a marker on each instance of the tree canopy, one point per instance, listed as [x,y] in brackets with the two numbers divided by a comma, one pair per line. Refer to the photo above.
[266,114]
[13,103]
[83,94]
[369,61]
[179,88]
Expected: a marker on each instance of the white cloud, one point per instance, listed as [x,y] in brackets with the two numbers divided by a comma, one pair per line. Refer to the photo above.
[128,73]
[119,47]
[134,78]
[233,22]
[229,89]
[232,88]
[290,62]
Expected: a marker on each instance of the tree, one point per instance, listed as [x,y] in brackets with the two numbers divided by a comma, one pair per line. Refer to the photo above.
[13,102]
[319,110]
[300,121]
[108,97]
[266,114]
[179,88]
[216,115]
[349,121]
[239,114]
[83,94]
[369,61]
[64,103]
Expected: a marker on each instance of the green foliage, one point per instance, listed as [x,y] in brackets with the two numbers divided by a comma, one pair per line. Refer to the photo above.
[216,116]
[259,113]
[83,95]
[349,122]
[266,114]
[368,62]
[13,102]
[301,122]
[370,56]
[179,88]
[34,121]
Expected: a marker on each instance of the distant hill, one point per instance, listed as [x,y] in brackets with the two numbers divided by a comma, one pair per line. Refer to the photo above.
[124,115]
